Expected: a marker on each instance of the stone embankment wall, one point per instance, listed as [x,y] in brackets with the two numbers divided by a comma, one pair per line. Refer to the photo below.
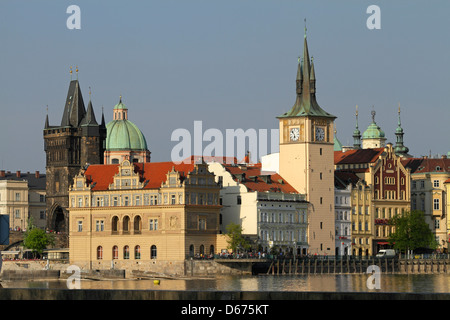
[30,269]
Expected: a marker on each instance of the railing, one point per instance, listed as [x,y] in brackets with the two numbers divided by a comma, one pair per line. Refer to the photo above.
[257,255]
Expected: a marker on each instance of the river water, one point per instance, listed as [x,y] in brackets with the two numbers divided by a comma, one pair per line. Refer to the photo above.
[426,283]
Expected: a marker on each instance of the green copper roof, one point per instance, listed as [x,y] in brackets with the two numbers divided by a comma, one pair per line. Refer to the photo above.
[337,144]
[120,105]
[306,104]
[124,135]
[373,131]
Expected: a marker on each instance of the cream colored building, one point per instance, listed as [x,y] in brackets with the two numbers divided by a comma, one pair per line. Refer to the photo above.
[272,213]
[447,204]
[428,194]
[22,195]
[306,156]
[143,216]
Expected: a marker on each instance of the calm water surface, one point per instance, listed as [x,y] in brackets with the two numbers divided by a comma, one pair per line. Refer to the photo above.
[432,283]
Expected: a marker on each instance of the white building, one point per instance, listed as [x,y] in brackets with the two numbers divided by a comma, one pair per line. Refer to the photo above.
[272,213]
[343,209]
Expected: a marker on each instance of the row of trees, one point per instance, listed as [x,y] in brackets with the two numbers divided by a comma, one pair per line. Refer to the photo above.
[411,232]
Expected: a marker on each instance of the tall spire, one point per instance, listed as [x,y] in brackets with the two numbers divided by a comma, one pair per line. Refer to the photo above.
[74,109]
[306,104]
[356,133]
[399,148]
[46,120]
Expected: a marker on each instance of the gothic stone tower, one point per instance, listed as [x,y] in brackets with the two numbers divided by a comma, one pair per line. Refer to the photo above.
[307,156]
[77,142]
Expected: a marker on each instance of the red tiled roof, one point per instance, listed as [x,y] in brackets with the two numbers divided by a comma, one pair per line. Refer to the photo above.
[357,156]
[431,165]
[101,174]
[251,177]
[208,159]
[154,172]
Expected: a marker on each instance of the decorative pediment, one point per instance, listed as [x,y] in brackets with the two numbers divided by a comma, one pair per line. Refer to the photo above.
[126,178]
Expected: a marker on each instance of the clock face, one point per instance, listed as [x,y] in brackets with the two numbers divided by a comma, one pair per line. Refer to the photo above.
[294,134]
[320,134]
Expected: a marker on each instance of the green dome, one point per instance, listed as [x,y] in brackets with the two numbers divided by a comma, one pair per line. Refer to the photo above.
[373,132]
[120,105]
[124,135]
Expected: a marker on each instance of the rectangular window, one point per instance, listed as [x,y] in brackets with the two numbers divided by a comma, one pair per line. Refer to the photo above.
[99,225]
[436,204]
[202,224]
[239,200]
[126,201]
[172,199]
[41,198]
[436,224]
[17,196]
[436,183]
[17,213]
[138,200]
[80,202]
[153,224]
[115,201]
[80,226]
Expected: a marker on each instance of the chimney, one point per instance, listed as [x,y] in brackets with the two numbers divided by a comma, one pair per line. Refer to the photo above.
[18,173]
[37,174]
[2,173]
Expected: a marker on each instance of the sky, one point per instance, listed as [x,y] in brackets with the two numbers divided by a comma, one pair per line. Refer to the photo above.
[230,64]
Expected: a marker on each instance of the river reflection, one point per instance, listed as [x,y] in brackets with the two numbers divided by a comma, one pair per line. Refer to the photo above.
[427,283]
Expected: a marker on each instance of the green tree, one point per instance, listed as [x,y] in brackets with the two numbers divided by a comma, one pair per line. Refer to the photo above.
[235,239]
[37,239]
[411,232]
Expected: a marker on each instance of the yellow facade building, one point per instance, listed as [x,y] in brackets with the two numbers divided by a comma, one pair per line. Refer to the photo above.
[382,191]
[143,216]
[428,194]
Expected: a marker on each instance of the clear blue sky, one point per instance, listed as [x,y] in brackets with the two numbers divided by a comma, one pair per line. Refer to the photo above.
[231,64]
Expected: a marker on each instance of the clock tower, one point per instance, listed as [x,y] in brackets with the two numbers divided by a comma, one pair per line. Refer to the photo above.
[307,156]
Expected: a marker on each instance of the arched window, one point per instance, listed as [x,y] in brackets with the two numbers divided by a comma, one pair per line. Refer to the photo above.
[211,249]
[126,224]
[153,252]
[126,252]
[137,224]
[137,252]
[202,249]
[115,252]
[115,224]
[191,250]
[99,253]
